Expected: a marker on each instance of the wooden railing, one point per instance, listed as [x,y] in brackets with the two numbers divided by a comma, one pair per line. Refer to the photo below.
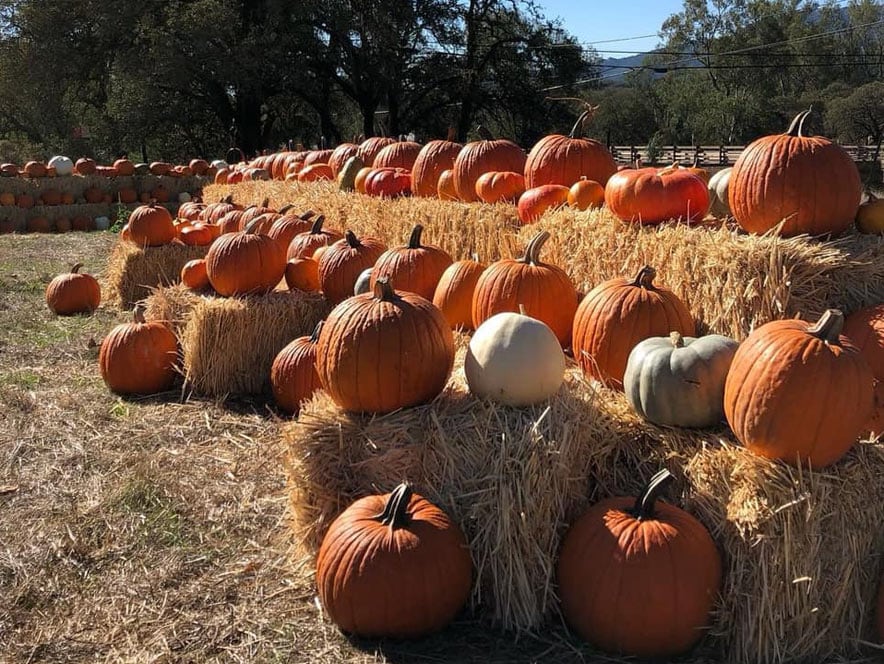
[709,155]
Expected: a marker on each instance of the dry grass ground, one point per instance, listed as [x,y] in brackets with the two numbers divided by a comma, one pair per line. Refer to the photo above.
[154,530]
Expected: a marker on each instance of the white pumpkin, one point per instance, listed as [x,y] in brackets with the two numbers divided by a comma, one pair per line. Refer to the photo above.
[679,381]
[184,197]
[102,223]
[718,184]
[363,282]
[219,164]
[62,165]
[515,360]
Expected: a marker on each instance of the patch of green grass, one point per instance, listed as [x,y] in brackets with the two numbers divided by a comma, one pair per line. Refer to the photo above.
[120,410]
[23,378]
[157,516]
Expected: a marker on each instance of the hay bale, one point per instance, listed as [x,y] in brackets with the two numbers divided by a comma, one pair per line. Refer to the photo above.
[731,281]
[229,343]
[800,548]
[172,305]
[132,271]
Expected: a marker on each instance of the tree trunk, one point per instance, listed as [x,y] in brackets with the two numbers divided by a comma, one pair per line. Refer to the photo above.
[247,121]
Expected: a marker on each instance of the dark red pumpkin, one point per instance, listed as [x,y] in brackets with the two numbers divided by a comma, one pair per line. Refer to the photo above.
[415,268]
[639,577]
[393,566]
[651,196]
[388,182]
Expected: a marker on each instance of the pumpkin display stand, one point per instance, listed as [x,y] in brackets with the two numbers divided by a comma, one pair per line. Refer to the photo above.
[801,549]
[229,344]
[133,271]
[732,282]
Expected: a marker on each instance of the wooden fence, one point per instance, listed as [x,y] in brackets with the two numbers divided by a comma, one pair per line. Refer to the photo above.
[709,155]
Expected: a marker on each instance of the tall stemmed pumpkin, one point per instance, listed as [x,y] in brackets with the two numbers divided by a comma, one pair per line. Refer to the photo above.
[415,267]
[558,159]
[544,290]
[808,181]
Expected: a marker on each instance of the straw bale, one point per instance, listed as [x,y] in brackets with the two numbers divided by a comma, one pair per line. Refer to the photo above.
[731,281]
[133,271]
[800,549]
[229,343]
[172,305]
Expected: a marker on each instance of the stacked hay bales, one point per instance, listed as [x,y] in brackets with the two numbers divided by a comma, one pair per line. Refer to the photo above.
[731,281]
[133,271]
[229,344]
[801,549]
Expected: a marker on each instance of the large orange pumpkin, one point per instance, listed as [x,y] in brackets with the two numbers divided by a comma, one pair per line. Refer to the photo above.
[370,147]
[799,392]
[534,202]
[139,357]
[445,187]
[563,160]
[151,225]
[293,376]
[618,314]
[487,154]
[245,262]
[865,329]
[73,293]
[779,178]
[384,350]
[288,226]
[544,290]
[341,264]
[500,187]
[415,268]
[639,577]
[455,290]
[340,155]
[434,158]
[304,245]
[393,566]
[401,154]
[651,196]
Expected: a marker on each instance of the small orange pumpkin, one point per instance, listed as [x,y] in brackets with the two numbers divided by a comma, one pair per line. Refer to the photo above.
[302,274]
[139,357]
[293,376]
[586,195]
[500,187]
[73,293]
[455,290]
[194,274]
[534,202]
[341,264]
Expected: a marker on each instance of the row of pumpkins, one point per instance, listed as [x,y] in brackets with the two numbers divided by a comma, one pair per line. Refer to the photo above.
[63,166]
[773,181]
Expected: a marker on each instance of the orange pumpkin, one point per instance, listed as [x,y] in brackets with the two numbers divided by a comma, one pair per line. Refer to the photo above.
[315,173]
[799,392]
[222,176]
[563,160]
[865,329]
[340,155]
[776,179]
[870,216]
[25,201]
[361,177]
[586,195]
[534,202]
[341,264]
[455,290]
[304,245]
[73,293]
[199,234]
[639,577]
[34,169]
[124,167]
[51,197]
[38,224]
[288,226]
[62,225]
[434,158]
[370,147]
[293,376]
[651,196]
[388,182]
[317,157]
[151,225]
[302,274]
[401,154]
[393,566]
[383,350]
[139,357]
[500,187]
[7,198]
[245,262]
[194,274]
[618,314]
[544,290]
[85,166]
[415,268]
[160,168]
[213,212]
[198,166]
[445,188]
[482,156]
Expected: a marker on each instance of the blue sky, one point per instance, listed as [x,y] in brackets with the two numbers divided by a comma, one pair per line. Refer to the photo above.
[607,19]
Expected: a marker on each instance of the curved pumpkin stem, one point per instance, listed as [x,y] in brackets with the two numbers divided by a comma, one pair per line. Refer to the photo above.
[352,240]
[484,133]
[532,252]
[414,242]
[577,129]
[383,290]
[252,227]
[645,277]
[76,268]
[395,514]
[316,228]
[643,510]
[316,330]
[676,339]
[828,327]
[265,203]
[308,215]
[285,208]
[795,127]
[138,314]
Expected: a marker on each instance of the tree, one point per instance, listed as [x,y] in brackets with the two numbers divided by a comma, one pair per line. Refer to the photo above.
[859,117]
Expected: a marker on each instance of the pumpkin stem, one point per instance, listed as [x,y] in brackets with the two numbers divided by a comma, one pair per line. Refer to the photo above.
[452,134]
[475,256]
[316,330]
[138,314]
[795,127]
[395,514]
[265,203]
[676,339]
[383,291]
[484,133]
[577,129]
[522,310]
[308,215]
[352,240]
[643,509]
[76,268]
[316,228]
[285,208]
[828,327]
[252,227]
[645,277]
[414,242]
[532,252]
[803,120]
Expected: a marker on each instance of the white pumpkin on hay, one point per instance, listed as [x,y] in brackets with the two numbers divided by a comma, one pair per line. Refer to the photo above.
[62,165]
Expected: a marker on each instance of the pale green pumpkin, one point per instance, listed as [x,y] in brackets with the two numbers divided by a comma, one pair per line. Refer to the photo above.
[718,184]
[347,176]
